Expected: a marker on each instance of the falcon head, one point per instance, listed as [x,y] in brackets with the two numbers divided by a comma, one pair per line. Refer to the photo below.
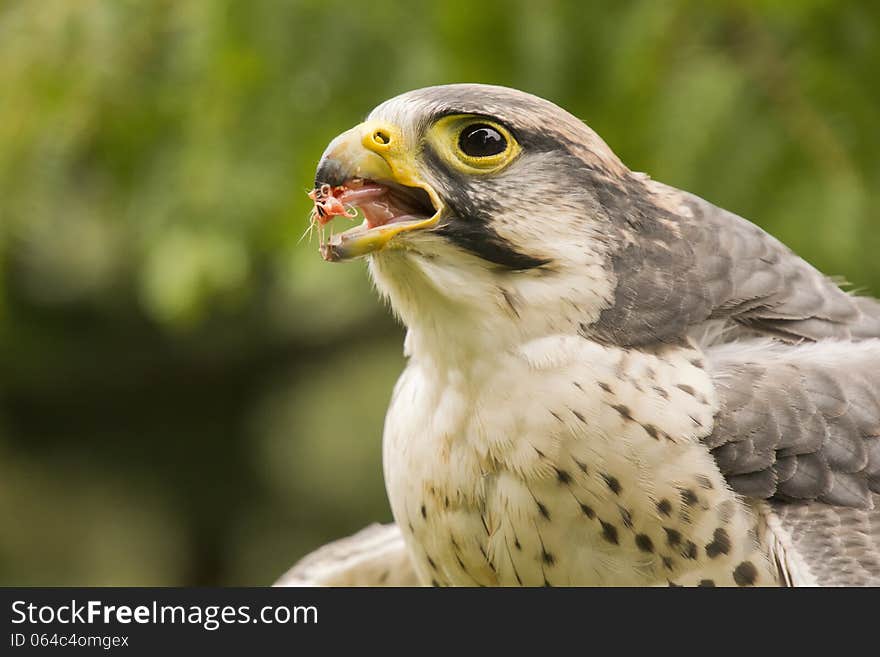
[478,203]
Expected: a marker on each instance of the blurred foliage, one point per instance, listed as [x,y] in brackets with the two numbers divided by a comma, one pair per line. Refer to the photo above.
[190,396]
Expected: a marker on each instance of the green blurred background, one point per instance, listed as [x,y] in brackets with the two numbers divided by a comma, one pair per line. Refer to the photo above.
[190,396]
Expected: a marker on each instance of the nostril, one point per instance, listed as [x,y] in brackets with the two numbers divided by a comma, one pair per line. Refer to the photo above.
[381,137]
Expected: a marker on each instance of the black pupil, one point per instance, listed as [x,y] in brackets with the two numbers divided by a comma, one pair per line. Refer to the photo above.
[481,140]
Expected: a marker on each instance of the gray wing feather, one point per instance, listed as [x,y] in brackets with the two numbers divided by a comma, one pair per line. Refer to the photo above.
[822,545]
[682,261]
[798,422]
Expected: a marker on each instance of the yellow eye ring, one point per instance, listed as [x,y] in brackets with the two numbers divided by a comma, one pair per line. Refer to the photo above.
[479,144]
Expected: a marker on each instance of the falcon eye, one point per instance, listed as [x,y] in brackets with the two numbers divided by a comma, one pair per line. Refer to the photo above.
[473,144]
[481,140]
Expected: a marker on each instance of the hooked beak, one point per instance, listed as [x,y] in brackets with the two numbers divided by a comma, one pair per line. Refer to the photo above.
[374,155]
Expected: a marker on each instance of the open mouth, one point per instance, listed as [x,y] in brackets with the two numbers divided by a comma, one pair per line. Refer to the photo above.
[387,209]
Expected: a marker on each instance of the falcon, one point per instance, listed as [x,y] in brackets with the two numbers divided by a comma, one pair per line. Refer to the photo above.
[610,381]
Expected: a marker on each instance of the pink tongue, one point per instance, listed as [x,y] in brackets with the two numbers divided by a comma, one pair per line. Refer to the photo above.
[372,201]
[379,213]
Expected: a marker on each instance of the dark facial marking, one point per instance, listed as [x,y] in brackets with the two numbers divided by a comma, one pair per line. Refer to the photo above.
[673,536]
[664,507]
[468,224]
[483,241]
[550,141]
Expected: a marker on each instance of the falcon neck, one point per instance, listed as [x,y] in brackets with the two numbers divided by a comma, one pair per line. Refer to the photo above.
[462,313]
